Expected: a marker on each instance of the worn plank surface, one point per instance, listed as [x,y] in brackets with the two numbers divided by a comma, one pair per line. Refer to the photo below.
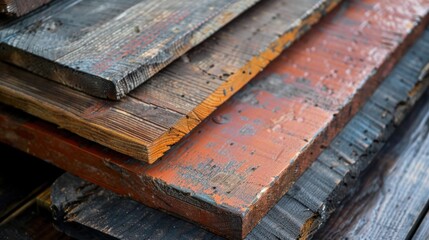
[30,224]
[236,165]
[423,229]
[20,7]
[107,48]
[309,202]
[163,110]
[394,193]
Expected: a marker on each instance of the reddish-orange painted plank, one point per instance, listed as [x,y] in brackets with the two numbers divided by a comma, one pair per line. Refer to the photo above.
[233,167]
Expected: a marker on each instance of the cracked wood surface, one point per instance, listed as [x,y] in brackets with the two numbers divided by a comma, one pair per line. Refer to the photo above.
[312,198]
[18,8]
[393,197]
[156,115]
[106,48]
[235,166]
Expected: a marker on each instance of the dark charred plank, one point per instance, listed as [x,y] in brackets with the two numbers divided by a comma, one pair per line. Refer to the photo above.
[312,198]
[393,196]
[107,48]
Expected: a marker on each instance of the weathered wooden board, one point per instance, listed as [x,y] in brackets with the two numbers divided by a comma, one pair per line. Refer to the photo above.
[20,7]
[107,48]
[163,110]
[307,205]
[18,184]
[234,167]
[422,232]
[394,193]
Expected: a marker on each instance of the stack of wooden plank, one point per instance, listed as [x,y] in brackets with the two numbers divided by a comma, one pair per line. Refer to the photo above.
[151,100]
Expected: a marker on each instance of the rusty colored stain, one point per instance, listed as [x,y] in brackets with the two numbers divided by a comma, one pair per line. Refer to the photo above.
[226,178]
[217,69]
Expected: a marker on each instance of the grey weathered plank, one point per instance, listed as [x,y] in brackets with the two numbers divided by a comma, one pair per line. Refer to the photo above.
[394,193]
[422,232]
[20,7]
[107,48]
[308,204]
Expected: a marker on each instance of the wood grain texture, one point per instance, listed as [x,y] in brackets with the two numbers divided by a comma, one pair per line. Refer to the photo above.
[235,166]
[166,108]
[107,48]
[422,232]
[18,8]
[394,193]
[312,198]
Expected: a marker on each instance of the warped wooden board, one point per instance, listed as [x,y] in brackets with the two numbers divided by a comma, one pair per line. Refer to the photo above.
[307,205]
[394,194]
[235,166]
[20,7]
[163,110]
[107,48]
[309,202]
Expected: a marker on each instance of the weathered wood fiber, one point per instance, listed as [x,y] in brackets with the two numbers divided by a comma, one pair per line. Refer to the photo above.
[20,7]
[20,179]
[310,201]
[163,110]
[236,165]
[107,48]
[394,194]
[422,232]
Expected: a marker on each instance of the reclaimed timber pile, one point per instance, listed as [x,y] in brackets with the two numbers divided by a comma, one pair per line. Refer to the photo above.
[157,108]
[17,8]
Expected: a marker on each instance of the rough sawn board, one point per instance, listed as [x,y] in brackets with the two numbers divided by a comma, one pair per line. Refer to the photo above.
[312,198]
[234,167]
[160,112]
[106,48]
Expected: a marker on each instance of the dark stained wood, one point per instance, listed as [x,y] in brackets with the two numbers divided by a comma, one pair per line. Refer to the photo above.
[163,110]
[235,166]
[422,232]
[135,128]
[394,193]
[107,48]
[312,198]
[20,7]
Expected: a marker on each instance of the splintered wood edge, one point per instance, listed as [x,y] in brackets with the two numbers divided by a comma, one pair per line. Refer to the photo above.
[236,81]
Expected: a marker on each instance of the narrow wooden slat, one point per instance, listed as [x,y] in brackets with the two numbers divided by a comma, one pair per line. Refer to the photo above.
[394,193]
[306,206]
[20,7]
[181,96]
[234,167]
